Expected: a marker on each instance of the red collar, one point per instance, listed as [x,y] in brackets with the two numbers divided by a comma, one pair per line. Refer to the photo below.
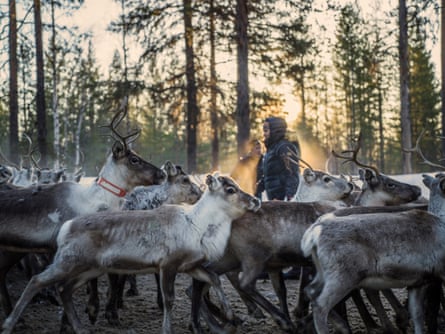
[111,187]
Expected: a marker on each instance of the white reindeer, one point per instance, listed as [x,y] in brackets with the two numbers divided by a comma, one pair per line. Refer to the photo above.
[168,240]
[178,189]
[377,251]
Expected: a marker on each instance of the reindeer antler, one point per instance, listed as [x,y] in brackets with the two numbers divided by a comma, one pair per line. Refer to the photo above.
[297,161]
[353,158]
[7,161]
[117,119]
[31,151]
[419,151]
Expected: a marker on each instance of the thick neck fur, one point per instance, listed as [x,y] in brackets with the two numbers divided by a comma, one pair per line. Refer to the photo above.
[95,198]
[212,218]
[147,197]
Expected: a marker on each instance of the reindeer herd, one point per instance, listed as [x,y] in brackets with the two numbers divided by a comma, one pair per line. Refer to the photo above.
[135,218]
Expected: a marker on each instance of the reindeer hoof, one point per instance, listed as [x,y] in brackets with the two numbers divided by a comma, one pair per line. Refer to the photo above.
[112,318]
[92,313]
[132,292]
[300,313]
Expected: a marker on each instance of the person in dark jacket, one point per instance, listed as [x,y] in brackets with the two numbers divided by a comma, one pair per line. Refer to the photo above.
[280,176]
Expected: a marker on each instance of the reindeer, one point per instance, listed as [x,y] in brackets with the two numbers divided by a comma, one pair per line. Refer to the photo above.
[243,252]
[375,251]
[178,188]
[168,240]
[32,217]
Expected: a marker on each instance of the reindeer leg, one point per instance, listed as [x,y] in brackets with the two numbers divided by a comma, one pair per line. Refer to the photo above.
[133,290]
[66,294]
[277,280]
[401,312]
[111,312]
[7,260]
[368,320]
[252,308]
[202,274]
[93,301]
[374,298]
[158,295]
[432,303]
[302,308]
[198,308]
[167,280]
[416,298]
[330,296]
[279,317]
[48,277]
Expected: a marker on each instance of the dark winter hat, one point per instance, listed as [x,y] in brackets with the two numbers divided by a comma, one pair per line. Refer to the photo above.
[278,127]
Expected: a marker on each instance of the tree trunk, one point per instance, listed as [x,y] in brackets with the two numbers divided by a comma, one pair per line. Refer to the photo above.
[442,62]
[213,106]
[56,119]
[13,97]
[40,95]
[192,106]
[405,117]
[242,104]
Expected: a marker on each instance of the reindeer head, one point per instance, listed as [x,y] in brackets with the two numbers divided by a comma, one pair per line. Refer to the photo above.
[436,185]
[226,188]
[133,167]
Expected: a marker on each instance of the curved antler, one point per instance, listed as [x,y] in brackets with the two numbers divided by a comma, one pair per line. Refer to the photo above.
[298,159]
[353,158]
[31,151]
[419,151]
[117,119]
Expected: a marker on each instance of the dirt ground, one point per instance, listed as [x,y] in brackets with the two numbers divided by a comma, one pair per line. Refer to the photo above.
[141,314]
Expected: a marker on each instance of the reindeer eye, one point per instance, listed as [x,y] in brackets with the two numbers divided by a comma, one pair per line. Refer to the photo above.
[134,160]
[391,185]
[231,190]
[186,180]
[326,179]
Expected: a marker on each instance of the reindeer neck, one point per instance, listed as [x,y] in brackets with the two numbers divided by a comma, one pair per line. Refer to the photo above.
[103,193]
[208,211]
[213,226]
[303,194]
[112,179]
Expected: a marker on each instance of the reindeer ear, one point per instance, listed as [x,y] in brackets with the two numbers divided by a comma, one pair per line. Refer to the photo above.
[442,184]
[211,182]
[309,175]
[118,150]
[170,169]
[427,180]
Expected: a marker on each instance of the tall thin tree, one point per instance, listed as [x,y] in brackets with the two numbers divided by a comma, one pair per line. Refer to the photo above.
[405,117]
[213,88]
[442,62]
[40,94]
[242,88]
[192,105]
[13,92]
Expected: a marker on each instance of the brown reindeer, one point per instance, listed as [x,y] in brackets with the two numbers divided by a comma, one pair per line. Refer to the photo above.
[168,240]
[31,217]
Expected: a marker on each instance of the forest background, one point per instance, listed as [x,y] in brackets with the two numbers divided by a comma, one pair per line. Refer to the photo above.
[199,77]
